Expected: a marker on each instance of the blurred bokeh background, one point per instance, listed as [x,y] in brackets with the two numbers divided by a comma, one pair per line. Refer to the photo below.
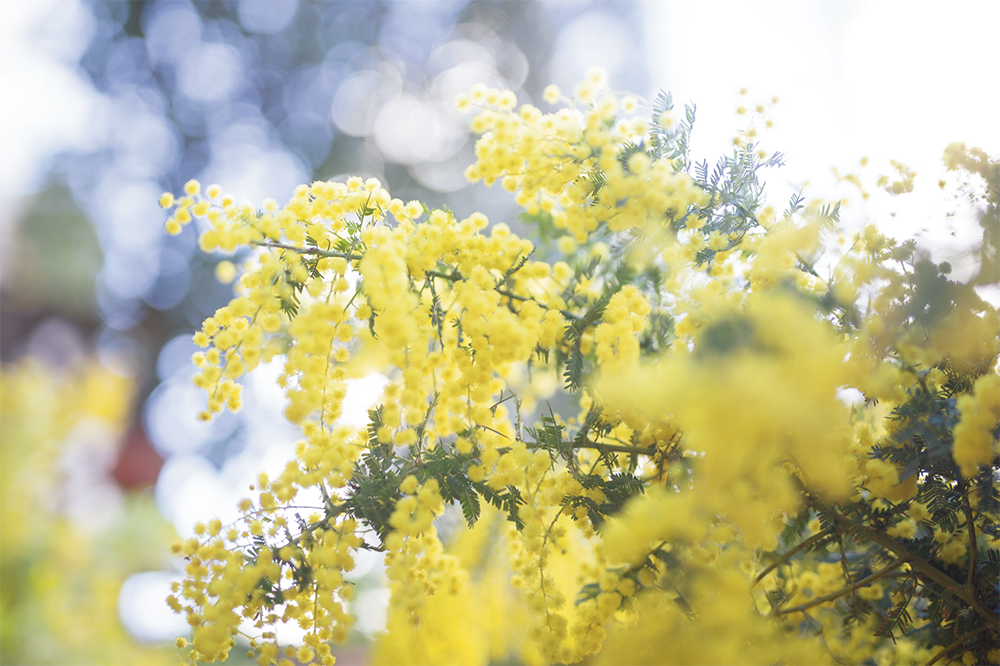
[111,103]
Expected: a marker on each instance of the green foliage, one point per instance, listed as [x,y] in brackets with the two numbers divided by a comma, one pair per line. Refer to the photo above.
[576,364]
[736,195]
[374,486]
[669,141]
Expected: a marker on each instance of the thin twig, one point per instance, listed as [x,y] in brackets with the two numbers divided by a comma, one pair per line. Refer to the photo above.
[309,250]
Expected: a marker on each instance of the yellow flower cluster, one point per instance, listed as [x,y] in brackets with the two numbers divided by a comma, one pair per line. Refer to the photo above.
[568,163]
[233,582]
[549,555]
[904,182]
[758,393]
[976,433]
[292,299]
[475,596]
[615,339]
[707,353]
[878,477]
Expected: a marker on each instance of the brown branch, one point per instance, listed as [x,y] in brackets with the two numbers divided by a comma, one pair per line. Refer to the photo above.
[451,277]
[309,250]
[479,425]
[847,590]
[789,554]
[605,448]
[970,581]
[510,294]
[958,641]
[615,448]
[923,568]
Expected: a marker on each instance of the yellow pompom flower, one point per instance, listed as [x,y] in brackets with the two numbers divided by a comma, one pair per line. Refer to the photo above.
[551,94]
[225,272]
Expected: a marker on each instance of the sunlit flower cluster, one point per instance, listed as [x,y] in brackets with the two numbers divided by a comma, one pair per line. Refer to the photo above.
[569,163]
[700,475]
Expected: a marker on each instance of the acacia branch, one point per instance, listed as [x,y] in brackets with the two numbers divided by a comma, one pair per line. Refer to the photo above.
[451,277]
[922,568]
[895,564]
[970,582]
[789,554]
[958,641]
[588,444]
[309,250]
[614,448]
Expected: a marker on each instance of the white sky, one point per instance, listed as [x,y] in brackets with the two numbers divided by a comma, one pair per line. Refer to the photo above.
[885,79]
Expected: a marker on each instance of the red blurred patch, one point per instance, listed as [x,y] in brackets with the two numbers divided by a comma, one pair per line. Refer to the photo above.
[138,464]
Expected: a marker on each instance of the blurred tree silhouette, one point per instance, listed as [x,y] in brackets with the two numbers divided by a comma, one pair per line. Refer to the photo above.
[53,270]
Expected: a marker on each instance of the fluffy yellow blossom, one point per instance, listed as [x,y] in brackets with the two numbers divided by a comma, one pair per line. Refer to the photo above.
[551,94]
[975,435]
